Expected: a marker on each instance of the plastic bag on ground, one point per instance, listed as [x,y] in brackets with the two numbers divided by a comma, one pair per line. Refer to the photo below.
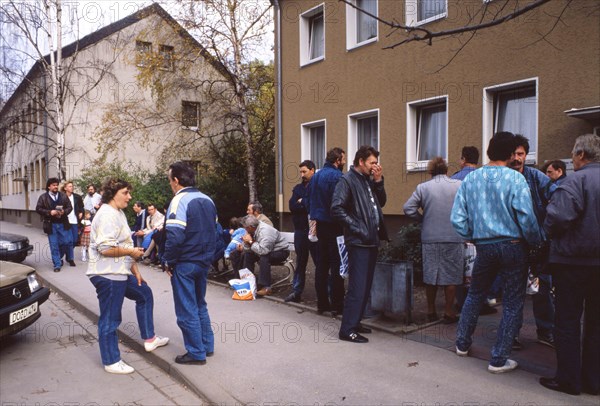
[245,287]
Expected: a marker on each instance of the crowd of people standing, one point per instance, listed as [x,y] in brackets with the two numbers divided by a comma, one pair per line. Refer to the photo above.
[520,220]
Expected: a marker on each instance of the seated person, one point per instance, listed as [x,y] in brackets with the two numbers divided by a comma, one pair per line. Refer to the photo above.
[154,223]
[265,245]
[255,209]
[140,222]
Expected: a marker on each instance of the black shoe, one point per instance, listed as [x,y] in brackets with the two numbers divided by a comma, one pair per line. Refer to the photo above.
[62,262]
[56,269]
[188,360]
[71,262]
[487,309]
[363,330]
[449,319]
[210,354]
[552,384]
[546,339]
[431,317]
[589,390]
[321,311]
[516,345]
[354,338]
[292,297]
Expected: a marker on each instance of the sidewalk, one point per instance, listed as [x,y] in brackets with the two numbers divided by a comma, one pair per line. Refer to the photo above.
[270,352]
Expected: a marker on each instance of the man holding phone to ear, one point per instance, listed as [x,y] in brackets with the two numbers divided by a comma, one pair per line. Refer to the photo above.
[54,207]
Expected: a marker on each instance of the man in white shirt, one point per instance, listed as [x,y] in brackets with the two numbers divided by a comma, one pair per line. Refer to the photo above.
[92,200]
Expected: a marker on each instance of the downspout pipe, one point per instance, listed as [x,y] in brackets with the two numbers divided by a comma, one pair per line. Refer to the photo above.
[278,109]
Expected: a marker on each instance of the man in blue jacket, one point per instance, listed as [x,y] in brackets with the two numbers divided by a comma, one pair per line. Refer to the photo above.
[328,282]
[356,205]
[493,209]
[541,188]
[573,222]
[302,245]
[189,250]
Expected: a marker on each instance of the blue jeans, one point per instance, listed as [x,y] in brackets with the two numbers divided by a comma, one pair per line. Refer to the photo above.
[303,246]
[68,250]
[189,290]
[111,294]
[509,260]
[361,268]
[59,242]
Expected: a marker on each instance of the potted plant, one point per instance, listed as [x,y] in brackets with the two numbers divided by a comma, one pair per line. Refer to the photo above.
[392,290]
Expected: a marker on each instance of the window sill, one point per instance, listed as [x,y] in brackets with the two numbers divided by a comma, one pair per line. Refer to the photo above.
[312,61]
[362,44]
[429,20]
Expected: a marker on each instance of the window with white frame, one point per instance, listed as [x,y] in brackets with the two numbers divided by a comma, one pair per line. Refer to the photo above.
[313,142]
[512,107]
[361,28]
[420,12]
[363,129]
[426,131]
[190,115]
[312,35]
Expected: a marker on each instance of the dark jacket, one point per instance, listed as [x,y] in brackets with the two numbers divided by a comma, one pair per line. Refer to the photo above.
[320,190]
[573,218]
[352,207]
[45,205]
[541,188]
[140,221]
[299,210]
[78,200]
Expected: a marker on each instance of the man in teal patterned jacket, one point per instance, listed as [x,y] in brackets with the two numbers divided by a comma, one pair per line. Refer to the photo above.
[493,208]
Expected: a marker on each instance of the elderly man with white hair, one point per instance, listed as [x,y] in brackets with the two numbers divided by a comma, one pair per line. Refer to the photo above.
[573,222]
[265,245]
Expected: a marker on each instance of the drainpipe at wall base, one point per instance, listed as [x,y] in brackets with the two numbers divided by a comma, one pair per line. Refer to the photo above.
[278,108]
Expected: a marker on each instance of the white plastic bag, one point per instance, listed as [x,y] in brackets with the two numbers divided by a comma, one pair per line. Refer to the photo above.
[343,257]
[533,284]
[245,287]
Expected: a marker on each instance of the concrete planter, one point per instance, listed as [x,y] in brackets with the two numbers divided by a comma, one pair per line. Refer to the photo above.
[392,290]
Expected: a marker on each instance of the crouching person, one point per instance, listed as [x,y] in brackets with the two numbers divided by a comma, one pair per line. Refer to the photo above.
[265,245]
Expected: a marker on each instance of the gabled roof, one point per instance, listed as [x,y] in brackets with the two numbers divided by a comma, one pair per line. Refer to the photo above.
[110,29]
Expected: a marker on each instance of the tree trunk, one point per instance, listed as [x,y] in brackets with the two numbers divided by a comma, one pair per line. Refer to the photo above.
[55,75]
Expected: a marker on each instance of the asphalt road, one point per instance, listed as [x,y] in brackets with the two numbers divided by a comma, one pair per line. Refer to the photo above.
[56,361]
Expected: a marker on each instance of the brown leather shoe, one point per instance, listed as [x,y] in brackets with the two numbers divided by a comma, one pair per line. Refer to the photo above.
[265,292]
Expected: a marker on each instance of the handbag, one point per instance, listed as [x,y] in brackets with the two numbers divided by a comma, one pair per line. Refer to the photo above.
[47,226]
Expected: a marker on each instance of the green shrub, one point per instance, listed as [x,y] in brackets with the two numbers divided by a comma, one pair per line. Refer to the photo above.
[404,246]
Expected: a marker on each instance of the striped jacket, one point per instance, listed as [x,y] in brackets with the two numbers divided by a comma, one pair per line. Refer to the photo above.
[191,229]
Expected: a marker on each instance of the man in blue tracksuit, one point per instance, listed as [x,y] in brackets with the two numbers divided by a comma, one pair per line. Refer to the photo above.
[328,282]
[189,250]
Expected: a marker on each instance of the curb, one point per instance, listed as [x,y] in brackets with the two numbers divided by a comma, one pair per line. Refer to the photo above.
[398,331]
[212,393]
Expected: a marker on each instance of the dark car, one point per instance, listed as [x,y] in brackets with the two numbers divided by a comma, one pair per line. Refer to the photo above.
[21,295]
[14,247]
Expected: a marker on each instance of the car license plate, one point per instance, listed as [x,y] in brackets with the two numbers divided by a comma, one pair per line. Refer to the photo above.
[24,313]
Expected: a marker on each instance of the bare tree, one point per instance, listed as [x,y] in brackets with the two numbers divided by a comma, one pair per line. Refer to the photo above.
[232,31]
[47,79]
[484,15]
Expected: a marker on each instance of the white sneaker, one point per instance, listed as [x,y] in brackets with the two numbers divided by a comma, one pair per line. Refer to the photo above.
[119,368]
[491,302]
[157,342]
[507,367]
[462,353]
